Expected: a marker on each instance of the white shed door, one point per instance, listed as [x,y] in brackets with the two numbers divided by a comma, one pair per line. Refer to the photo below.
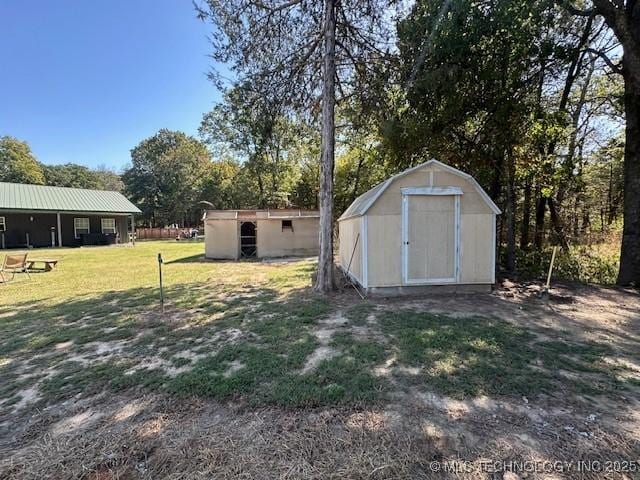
[429,250]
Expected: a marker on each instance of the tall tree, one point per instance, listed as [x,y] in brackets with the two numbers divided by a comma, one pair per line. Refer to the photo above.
[17,163]
[257,134]
[167,177]
[623,18]
[72,175]
[299,53]
[472,75]
[108,179]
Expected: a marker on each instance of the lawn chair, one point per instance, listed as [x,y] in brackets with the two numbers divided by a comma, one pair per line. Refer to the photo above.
[14,264]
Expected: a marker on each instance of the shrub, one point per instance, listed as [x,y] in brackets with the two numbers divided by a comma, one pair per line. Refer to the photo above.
[587,264]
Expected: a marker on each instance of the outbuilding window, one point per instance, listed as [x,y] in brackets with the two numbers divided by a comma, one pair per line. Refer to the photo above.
[108,225]
[287,225]
[3,224]
[80,226]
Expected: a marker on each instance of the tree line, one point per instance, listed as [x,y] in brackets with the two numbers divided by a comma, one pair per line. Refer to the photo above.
[537,99]
[18,164]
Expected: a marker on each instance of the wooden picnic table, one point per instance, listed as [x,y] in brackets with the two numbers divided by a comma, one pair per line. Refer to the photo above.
[48,263]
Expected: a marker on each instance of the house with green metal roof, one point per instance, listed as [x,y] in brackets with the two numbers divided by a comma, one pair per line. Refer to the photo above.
[45,216]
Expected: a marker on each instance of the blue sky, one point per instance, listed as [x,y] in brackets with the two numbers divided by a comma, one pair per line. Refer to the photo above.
[84,81]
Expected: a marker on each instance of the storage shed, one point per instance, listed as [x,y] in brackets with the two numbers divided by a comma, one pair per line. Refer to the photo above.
[429,225]
[235,234]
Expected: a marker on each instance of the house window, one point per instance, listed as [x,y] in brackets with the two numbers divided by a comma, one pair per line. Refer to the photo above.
[108,225]
[3,224]
[287,225]
[80,226]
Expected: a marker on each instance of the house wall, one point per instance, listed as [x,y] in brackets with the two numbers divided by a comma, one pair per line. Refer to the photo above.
[39,229]
[19,224]
[273,241]
[350,250]
[221,239]
[384,230]
[95,226]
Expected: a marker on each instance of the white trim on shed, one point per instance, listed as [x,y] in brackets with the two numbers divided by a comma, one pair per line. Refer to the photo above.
[365,201]
[384,228]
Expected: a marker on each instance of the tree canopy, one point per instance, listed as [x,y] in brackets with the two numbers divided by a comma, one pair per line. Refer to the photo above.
[167,177]
[539,100]
[17,163]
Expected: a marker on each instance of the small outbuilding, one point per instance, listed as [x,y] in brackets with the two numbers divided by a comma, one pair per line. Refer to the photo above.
[47,216]
[429,225]
[235,234]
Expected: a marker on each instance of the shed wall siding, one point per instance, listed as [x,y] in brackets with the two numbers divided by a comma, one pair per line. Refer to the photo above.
[273,241]
[384,221]
[385,250]
[476,245]
[221,239]
[348,233]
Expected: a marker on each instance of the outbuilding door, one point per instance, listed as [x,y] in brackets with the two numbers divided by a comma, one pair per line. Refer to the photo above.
[430,235]
[248,239]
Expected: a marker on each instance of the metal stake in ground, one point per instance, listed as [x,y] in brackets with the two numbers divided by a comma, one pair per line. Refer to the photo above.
[545,290]
[160,273]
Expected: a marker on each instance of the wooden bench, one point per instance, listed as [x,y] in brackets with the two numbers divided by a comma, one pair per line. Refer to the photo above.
[48,263]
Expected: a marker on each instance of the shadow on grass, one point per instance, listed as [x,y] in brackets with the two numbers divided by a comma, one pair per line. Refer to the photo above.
[215,340]
[198,258]
[253,341]
[463,357]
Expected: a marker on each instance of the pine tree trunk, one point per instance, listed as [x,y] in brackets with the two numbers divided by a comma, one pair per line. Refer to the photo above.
[630,250]
[324,280]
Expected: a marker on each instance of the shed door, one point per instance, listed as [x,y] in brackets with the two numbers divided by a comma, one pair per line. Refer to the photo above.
[430,224]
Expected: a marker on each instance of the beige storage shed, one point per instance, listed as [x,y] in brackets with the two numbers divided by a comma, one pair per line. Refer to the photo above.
[431,225]
[235,234]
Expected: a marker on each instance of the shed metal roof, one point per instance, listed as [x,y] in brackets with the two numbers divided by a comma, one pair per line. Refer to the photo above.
[18,196]
[361,204]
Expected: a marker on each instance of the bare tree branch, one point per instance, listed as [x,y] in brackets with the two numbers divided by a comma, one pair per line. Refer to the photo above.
[277,8]
[607,60]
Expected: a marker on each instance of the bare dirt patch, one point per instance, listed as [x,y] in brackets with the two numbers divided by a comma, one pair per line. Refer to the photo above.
[319,354]
[142,435]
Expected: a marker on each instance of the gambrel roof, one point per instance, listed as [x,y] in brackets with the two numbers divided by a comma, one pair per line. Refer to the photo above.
[364,202]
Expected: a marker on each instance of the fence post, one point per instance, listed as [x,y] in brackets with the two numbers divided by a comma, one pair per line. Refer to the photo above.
[160,275]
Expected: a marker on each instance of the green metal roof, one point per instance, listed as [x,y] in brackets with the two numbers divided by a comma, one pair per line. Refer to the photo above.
[18,196]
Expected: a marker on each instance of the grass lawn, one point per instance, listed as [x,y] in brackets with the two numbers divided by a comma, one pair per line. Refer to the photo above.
[255,332]
[250,374]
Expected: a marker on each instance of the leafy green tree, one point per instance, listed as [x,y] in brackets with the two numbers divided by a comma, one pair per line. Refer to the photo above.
[255,131]
[623,18]
[108,179]
[471,76]
[229,185]
[167,177]
[17,163]
[358,168]
[79,176]
[71,175]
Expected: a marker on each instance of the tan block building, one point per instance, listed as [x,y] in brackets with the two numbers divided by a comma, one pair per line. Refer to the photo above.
[431,225]
[235,234]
